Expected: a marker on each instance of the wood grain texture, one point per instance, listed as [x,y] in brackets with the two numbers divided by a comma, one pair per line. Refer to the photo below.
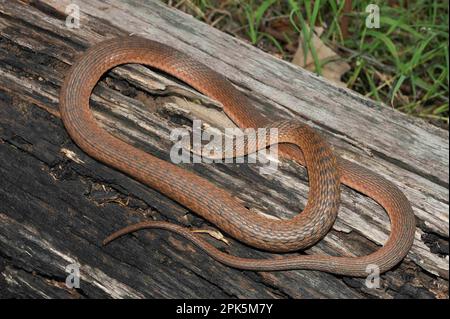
[57,204]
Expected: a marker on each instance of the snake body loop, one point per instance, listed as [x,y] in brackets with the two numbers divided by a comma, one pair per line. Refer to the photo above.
[299,142]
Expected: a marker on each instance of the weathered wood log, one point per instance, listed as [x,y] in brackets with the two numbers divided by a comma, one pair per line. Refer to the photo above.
[57,204]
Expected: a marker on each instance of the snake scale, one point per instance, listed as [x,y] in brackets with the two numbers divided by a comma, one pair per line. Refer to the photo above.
[299,142]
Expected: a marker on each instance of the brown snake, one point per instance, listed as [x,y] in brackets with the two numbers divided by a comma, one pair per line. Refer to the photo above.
[301,143]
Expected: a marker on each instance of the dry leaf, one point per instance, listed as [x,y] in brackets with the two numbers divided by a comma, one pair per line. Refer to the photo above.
[331,70]
[71,155]
[213,233]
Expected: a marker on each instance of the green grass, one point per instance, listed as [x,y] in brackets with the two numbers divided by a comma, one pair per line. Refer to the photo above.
[404,63]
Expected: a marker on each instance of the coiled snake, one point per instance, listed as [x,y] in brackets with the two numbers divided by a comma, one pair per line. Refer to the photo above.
[298,142]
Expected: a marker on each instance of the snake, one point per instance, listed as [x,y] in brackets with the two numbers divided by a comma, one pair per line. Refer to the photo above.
[327,172]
